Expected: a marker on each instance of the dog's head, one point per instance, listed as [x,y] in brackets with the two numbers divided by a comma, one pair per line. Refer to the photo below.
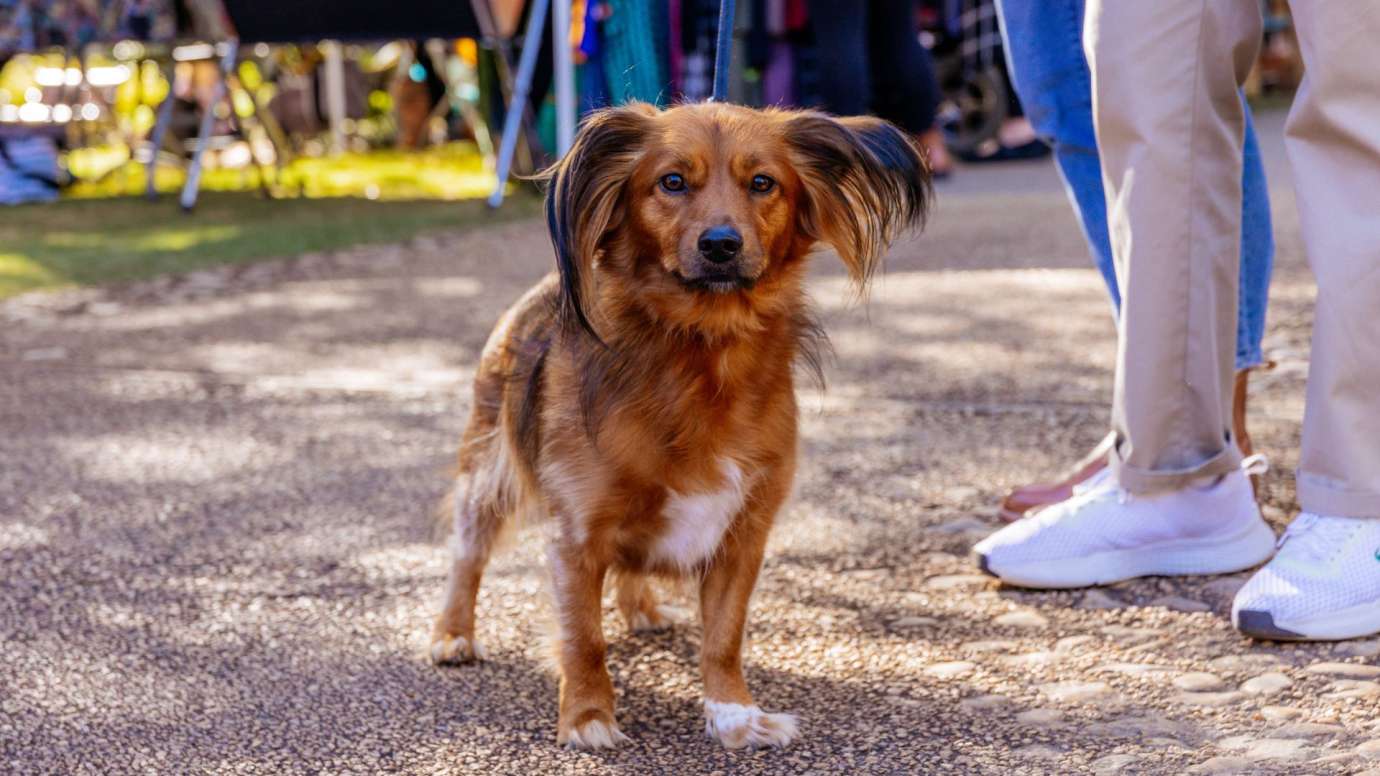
[701,216]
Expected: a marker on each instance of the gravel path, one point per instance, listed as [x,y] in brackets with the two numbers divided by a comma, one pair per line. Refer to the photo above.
[216,554]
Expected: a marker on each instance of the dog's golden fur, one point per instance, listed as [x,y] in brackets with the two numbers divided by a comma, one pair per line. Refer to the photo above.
[643,396]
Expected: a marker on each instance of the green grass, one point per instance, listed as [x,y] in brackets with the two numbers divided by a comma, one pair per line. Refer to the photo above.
[100,232]
[96,241]
[451,171]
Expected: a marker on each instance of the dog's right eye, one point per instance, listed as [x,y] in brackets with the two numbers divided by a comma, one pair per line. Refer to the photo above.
[673,183]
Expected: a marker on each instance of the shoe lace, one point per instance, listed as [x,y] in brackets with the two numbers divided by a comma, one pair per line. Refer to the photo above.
[1255,464]
[1314,540]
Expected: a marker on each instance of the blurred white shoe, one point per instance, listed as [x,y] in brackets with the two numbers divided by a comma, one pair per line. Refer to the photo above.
[1104,534]
[1323,584]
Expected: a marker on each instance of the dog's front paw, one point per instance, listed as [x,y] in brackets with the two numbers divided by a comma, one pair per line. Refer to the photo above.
[600,731]
[736,726]
[452,650]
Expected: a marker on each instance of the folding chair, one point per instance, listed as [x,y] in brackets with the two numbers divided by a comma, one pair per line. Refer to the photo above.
[272,21]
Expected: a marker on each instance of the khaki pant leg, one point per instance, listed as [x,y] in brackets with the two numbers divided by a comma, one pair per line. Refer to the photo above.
[1333,140]
[1170,128]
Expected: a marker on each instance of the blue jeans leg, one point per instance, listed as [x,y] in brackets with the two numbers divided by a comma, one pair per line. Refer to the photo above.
[1257,253]
[1044,51]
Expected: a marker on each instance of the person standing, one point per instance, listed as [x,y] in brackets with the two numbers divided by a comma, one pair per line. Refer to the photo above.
[1044,52]
[871,61]
[1170,128]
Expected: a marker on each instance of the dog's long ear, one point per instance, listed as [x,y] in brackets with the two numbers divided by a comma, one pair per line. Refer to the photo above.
[584,199]
[865,182]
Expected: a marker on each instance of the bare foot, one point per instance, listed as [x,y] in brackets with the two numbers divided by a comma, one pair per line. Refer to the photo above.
[941,163]
[1016,132]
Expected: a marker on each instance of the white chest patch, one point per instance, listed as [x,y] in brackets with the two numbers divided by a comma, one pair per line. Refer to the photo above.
[696,522]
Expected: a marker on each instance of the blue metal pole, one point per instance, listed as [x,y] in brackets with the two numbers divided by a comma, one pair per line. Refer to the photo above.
[160,130]
[192,185]
[531,43]
[723,54]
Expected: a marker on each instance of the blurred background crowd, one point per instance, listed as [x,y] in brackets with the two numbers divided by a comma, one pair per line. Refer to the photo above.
[407,99]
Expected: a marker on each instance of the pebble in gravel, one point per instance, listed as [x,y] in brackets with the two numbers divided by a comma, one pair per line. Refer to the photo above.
[1198,681]
[1038,752]
[1268,684]
[1220,766]
[1075,692]
[951,670]
[1131,669]
[1366,648]
[1370,749]
[990,646]
[1024,618]
[1346,670]
[1180,604]
[983,704]
[1040,717]
[1073,643]
[1281,713]
[907,623]
[1349,689]
[1211,699]
[1030,659]
[44,354]
[956,581]
[1099,599]
[1256,661]
[1114,764]
[1278,749]
[1308,730]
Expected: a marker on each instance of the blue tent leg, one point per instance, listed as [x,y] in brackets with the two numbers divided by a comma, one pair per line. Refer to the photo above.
[512,120]
[203,139]
[160,130]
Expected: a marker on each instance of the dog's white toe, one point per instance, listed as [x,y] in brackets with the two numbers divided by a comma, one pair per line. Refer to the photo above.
[596,734]
[736,726]
[449,650]
[664,616]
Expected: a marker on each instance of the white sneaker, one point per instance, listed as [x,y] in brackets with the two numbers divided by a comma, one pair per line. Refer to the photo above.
[1323,585]
[1103,535]
[1099,480]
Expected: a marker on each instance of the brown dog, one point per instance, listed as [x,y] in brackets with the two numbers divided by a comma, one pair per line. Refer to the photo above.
[644,396]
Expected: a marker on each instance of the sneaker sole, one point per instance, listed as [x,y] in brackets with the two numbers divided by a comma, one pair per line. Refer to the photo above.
[1219,555]
[1351,623]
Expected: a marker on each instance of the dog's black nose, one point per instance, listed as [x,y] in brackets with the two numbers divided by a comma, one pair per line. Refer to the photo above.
[720,243]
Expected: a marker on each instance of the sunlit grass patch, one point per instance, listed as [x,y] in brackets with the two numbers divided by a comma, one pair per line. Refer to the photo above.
[19,273]
[452,171]
[93,241]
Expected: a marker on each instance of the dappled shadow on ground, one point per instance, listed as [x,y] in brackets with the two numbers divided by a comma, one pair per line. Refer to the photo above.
[217,555]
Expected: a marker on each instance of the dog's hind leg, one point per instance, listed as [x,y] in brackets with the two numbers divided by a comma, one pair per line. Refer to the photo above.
[637,602]
[452,637]
[481,504]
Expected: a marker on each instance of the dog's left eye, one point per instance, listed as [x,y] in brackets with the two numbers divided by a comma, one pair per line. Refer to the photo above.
[762,184]
[673,183]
